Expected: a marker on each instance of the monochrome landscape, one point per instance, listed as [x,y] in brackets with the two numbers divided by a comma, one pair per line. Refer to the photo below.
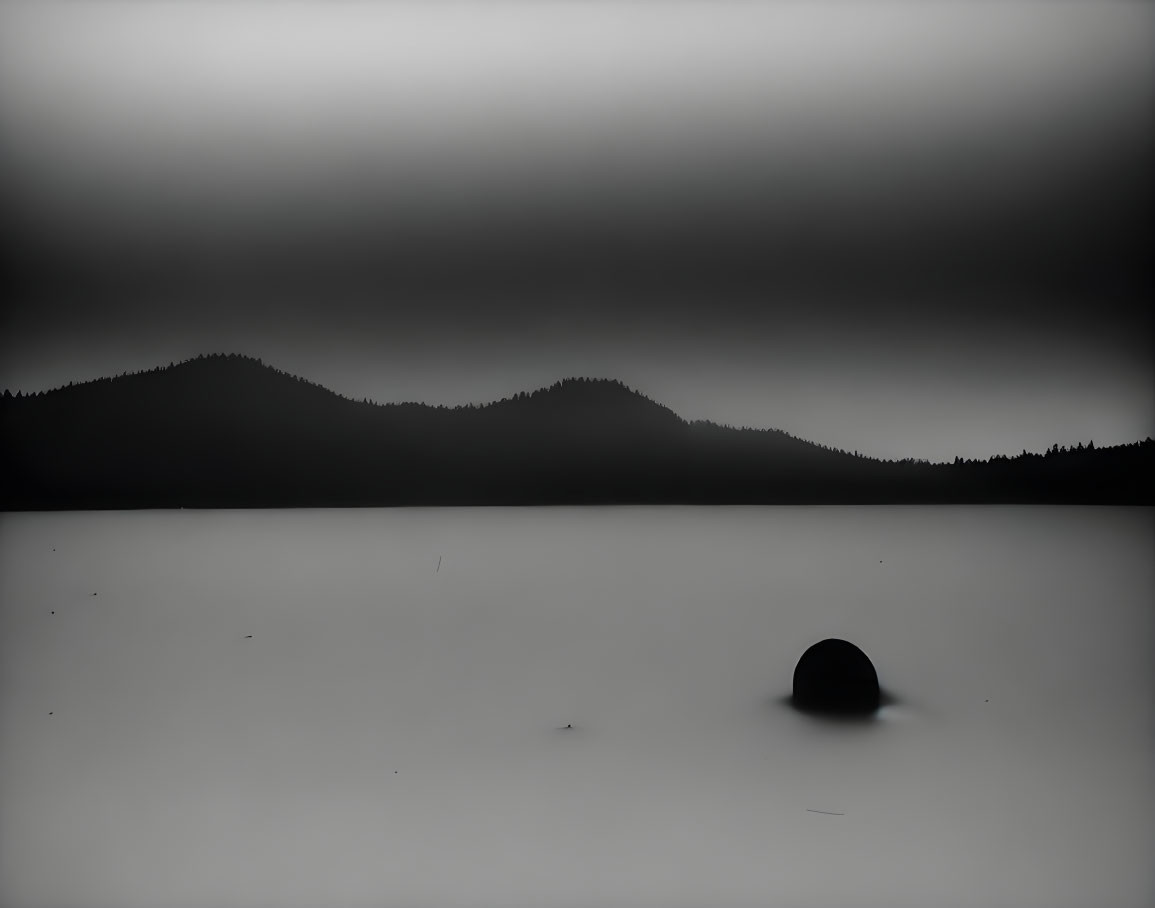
[577,454]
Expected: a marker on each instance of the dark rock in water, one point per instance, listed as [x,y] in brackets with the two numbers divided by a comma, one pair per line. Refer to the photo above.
[835,676]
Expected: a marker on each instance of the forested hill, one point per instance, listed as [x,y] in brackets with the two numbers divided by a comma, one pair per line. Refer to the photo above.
[229,431]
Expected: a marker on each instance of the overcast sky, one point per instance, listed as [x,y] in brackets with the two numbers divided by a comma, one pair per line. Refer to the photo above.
[908,229]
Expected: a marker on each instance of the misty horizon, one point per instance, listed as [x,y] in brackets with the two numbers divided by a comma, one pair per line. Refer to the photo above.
[569,380]
[915,230]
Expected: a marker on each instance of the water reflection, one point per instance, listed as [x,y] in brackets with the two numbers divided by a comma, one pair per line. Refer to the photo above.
[889,707]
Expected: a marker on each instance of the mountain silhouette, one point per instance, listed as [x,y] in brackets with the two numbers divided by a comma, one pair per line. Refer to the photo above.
[230,431]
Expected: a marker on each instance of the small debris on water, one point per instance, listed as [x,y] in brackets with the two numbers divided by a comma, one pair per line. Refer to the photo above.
[833,813]
[248,636]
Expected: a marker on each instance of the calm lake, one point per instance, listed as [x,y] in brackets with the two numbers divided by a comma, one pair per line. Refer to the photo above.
[344,709]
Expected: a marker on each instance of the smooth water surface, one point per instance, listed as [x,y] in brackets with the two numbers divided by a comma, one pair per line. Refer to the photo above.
[367,708]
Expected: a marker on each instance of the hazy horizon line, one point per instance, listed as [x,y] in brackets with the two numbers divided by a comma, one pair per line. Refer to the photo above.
[488,403]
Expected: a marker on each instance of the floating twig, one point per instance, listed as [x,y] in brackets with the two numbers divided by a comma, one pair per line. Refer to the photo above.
[833,813]
[438,564]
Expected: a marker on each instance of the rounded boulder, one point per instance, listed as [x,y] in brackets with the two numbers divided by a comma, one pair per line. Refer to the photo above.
[835,676]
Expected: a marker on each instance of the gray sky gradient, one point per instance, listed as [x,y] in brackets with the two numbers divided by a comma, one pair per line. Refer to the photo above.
[914,230]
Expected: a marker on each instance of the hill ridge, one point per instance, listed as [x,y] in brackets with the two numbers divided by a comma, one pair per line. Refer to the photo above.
[569,383]
[229,430]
